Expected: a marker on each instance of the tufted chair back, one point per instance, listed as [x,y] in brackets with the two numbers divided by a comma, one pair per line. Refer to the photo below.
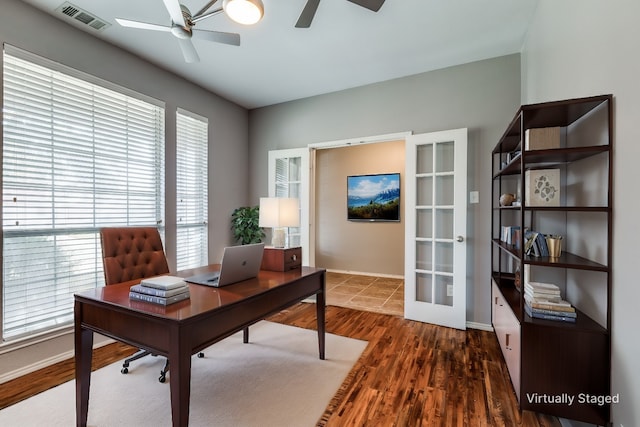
[130,253]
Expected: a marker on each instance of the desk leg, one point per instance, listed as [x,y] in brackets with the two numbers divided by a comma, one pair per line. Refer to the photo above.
[320,309]
[180,379]
[83,340]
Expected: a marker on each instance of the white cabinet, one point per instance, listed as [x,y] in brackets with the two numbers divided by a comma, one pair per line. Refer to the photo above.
[507,330]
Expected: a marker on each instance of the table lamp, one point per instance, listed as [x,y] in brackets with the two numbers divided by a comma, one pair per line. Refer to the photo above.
[279,213]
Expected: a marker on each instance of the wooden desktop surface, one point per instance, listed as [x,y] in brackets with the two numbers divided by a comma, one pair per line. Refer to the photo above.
[181,329]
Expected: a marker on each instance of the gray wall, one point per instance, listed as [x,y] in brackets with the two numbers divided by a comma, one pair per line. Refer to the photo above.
[32,30]
[369,247]
[577,48]
[481,96]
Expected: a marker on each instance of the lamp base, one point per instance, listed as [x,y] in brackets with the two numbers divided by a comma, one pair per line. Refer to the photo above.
[278,238]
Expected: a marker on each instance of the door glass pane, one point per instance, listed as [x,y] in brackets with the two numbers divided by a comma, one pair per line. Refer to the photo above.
[282,189]
[424,227]
[444,223]
[444,156]
[423,287]
[424,189]
[423,255]
[444,257]
[444,290]
[424,159]
[294,237]
[294,168]
[444,190]
[294,190]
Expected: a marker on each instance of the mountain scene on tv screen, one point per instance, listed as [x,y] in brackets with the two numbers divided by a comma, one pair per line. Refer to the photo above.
[374,197]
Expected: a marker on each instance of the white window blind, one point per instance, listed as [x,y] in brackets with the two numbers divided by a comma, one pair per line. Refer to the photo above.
[191,187]
[77,156]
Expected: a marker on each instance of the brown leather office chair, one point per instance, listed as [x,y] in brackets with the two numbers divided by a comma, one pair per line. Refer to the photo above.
[130,253]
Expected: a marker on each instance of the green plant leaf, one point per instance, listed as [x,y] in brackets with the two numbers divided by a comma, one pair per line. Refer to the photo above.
[245,225]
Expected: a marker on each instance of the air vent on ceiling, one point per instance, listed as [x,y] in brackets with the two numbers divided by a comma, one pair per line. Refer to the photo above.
[82,16]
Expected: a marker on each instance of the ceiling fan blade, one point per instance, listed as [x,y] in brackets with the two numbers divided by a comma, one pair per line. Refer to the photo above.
[173,7]
[188,50]
[142,25]
[373,5]
[304,21]
[217,36]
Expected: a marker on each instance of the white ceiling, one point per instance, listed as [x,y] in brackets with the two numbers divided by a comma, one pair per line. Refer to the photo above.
[346,45]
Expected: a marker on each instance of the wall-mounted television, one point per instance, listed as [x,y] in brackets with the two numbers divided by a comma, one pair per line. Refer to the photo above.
[373,197]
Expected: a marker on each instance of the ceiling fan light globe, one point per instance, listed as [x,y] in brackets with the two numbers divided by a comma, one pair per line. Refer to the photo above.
[246,12]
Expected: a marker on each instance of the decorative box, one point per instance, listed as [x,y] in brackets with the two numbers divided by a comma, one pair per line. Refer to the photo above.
[542,138]
[281,259]
[542,187]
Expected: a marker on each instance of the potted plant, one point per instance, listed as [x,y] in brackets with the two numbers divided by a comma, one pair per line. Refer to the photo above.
[245,225]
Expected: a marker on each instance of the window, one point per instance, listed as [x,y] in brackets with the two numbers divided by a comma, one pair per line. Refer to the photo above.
[78,155]
[191,187]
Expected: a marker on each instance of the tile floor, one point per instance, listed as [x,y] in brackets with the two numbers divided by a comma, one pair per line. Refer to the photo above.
[368,293]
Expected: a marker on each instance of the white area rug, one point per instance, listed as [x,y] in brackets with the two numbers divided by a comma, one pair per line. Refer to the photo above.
[275,380]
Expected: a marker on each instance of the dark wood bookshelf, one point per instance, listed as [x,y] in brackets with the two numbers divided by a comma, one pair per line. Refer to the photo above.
[553,357]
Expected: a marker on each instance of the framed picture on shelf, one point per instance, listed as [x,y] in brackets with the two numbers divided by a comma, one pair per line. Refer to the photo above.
[542,187]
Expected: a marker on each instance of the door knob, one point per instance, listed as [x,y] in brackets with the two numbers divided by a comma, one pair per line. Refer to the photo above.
[459,239]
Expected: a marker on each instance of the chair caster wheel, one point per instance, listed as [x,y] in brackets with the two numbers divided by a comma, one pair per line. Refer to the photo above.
[124,370]
[201,355]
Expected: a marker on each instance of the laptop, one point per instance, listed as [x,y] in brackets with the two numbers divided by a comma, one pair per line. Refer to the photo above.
[238,263]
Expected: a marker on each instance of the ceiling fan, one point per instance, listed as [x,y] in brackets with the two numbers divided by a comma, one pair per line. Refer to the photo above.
[304,21]
[182,23]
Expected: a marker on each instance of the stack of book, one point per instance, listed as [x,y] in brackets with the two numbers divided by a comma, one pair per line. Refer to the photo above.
[163,290]
[535,244]
[511,235]
[543,301]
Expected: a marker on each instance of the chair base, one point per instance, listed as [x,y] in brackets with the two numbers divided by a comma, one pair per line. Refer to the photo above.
[163,372]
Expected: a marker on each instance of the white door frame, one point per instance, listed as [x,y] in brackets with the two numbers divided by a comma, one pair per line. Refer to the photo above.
[340,143]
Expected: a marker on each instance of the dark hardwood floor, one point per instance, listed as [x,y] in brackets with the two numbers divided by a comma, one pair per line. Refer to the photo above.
[410,374]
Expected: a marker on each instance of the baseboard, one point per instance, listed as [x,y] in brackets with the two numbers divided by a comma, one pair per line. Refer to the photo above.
[479,326]
[8,376]
[362,273]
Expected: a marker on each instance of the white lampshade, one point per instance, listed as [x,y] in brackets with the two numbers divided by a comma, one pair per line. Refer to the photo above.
[277,213]
[246,12]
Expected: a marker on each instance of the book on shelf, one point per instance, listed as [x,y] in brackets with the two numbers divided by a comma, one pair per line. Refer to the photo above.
[163,282]
[159,292]
[555,317]
[542,297]
[549,288]
[511,235]
[159,300]
[560,305]
[535,244]
[552,312]
[542,291]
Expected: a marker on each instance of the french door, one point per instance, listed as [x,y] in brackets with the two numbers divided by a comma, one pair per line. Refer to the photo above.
[436,217]
[289,177]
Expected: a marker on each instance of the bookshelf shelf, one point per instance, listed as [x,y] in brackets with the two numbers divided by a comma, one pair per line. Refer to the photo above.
[553,357]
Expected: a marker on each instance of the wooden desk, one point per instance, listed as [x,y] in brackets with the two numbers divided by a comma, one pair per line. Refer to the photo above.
[187,327]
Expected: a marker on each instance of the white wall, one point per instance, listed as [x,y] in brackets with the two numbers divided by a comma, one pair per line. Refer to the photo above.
[482,96]
[32,30]
[577,48]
